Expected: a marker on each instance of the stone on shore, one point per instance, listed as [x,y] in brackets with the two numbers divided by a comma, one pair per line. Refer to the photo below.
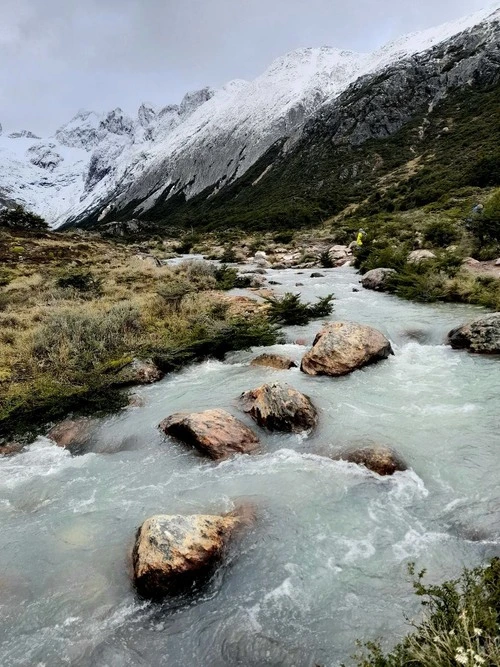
[139,371]
[377,279]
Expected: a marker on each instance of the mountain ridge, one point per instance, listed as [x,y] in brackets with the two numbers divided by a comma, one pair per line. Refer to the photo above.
[96,165]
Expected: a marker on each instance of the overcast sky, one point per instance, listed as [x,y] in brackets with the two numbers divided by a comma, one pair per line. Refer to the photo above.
[57,56]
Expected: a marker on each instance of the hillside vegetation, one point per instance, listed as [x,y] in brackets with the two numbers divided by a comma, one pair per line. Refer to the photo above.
[74,311]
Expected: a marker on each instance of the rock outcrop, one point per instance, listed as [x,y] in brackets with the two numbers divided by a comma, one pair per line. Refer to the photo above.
[342,347]
[481,335]
[174,553]
[376,279]
[274,361]
[215,433]
[279,407]
[377,458]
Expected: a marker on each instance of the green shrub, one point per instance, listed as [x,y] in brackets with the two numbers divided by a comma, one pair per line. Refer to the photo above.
[19,218]
[72,343]
[459,627]
[441,233]
[486,226]
[325,260]
[289,309]
[228,256]
[174,291]
[81,281]
[6,276]
[283,237]
[380,253]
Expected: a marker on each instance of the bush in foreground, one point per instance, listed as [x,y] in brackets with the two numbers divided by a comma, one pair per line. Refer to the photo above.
[460,625]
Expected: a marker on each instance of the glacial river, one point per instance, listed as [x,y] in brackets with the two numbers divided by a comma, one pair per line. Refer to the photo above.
[325,563]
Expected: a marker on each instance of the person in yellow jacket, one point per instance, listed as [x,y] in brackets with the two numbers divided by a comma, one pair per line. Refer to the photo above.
[360,237]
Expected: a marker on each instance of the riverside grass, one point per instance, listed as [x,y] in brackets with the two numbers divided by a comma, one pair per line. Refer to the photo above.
[460,624]
[73,312]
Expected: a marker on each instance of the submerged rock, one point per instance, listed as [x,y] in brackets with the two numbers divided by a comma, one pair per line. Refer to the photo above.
[215,433]
[342,347]
[481,335]
[317,275]
[377,458]
[139,371]
[173,553]
[376,279]
[273,361]
[279,407]
[73,434]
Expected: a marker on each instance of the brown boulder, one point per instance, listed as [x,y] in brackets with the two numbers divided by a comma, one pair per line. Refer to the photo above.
[274,361]
[377,458]
[173,553]
[215,433]
[73,434]
[279,407]
[342,347]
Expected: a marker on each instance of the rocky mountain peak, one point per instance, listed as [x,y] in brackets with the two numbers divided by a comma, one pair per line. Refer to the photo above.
[146,114]
[195,99]
[117,122]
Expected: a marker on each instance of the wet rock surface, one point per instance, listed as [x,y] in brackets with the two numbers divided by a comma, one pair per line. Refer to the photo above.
[73,434]
[174,554]
[215,433]
[279,407]
[342,347]
[274,361]
[481,335]
[377,458]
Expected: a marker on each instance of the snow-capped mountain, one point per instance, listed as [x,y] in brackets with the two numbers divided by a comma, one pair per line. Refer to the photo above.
[98,163]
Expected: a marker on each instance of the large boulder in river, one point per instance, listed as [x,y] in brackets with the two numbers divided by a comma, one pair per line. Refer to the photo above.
[376,279]
[174,553]
[215,433]
[276,361]
[73,434]
[377,458]
[279,407]
[342,347]
[481,335]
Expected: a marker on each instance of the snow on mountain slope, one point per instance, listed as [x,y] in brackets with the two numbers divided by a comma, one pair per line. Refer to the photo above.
[207,141]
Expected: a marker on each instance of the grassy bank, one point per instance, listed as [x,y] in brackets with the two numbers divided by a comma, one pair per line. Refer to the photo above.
[454,234]
[74,311]
[460,625]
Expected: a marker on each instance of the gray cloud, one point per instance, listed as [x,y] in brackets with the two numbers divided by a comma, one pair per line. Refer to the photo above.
[61,55]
